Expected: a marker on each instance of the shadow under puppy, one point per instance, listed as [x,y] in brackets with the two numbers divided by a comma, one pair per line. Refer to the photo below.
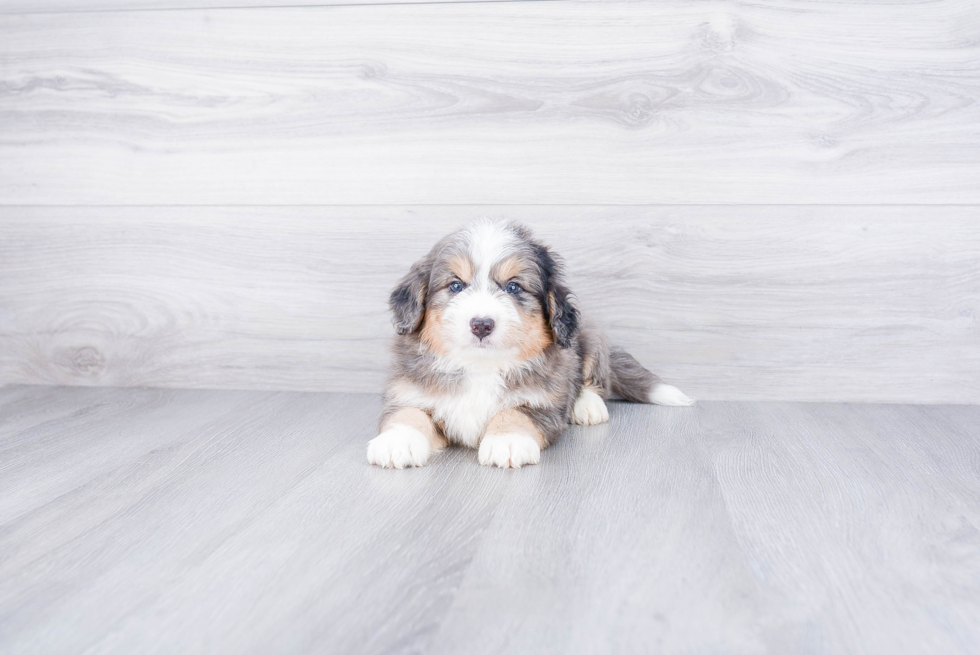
[491,353]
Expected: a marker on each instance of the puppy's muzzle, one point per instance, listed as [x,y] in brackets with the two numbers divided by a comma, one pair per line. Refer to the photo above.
[481,327]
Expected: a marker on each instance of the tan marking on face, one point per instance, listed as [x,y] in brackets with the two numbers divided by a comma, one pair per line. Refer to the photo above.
[461,267]
[433,332]
[416,418]
[509,268]
[535,336]
[510,421]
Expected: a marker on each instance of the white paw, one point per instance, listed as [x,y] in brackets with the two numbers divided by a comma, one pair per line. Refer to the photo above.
[666,394]
[509,450]
[589,409]
[399,446]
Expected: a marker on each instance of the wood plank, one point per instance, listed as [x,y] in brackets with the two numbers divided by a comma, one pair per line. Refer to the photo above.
[250,522]
[495,103]
[875,304]
[629,535]
[750,528]
[860,566]
[73,6]
[278,477]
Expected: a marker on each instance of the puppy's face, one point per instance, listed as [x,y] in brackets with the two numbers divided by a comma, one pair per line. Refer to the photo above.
[487,291]
[486,297]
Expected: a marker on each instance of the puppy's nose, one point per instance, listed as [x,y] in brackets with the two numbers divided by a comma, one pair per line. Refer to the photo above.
[481,327]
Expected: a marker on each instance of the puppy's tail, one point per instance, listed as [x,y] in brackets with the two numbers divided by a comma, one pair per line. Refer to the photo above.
[636,384]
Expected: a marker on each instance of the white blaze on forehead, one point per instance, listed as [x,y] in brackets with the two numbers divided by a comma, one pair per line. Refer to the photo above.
[489,242]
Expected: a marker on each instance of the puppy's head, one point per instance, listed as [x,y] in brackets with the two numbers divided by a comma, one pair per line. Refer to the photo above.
[483,291]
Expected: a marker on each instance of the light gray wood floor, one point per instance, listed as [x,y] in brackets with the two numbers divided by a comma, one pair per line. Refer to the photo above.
[183,521]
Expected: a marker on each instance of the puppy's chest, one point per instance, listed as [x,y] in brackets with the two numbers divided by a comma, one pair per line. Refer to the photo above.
[464,413]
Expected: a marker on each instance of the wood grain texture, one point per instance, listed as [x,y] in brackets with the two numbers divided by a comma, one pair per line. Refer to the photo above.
[781,303]
[498,103]
[72,6]
[155,521]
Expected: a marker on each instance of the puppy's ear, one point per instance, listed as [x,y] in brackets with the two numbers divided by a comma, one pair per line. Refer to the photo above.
[562,314]
[407,301]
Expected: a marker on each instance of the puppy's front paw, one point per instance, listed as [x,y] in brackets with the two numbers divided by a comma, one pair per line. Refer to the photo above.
[589,409]
[399,446]
[512,450]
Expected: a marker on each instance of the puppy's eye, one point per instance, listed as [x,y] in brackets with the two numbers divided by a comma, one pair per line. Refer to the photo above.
[456,286]
[513,287]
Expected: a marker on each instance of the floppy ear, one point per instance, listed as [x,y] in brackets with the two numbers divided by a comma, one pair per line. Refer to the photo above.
[407,301]
[562,314]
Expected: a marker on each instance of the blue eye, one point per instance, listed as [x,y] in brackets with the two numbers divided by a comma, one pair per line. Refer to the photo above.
[513,287]
[456,286]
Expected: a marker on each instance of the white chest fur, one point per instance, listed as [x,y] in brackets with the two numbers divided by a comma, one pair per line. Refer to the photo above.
[465,414]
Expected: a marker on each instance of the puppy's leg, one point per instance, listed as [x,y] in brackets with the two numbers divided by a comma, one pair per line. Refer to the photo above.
[408,438]
[590,408]
[511,440]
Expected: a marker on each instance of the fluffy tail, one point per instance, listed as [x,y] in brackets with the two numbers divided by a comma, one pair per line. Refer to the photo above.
[638,385]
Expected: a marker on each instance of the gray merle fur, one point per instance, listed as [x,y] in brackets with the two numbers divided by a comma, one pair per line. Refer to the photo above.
[579,355]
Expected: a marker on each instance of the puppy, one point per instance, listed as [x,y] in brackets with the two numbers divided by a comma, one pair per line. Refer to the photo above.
[492,354]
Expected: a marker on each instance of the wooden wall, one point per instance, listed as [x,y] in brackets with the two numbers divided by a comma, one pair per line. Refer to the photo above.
[768,200]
